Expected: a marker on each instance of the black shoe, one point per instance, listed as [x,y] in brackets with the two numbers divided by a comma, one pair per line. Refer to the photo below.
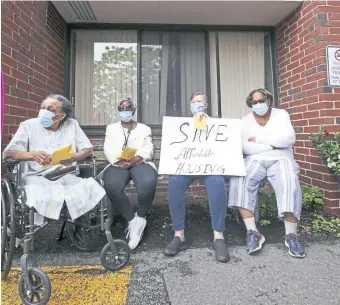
[221,249]
[175,246]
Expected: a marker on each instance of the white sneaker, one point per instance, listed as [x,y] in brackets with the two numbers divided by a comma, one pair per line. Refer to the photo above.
[135,231]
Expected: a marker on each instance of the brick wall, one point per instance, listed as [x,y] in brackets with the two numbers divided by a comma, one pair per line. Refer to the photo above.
[32,59]
[302,38]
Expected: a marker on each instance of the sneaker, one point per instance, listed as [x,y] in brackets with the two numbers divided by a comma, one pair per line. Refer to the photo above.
[175,246]
[294,246]
[135,231]
[255,241]
[221,251]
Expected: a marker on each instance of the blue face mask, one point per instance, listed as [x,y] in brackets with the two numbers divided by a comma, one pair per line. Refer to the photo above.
[260,108]
[125,116]
[197,107]
[46,118]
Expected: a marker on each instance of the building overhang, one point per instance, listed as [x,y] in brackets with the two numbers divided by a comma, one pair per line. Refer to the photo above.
[223,12]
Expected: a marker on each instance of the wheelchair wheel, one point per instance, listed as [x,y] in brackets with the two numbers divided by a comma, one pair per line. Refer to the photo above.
[7,228]
[115,261]
[80,233]
[40,292]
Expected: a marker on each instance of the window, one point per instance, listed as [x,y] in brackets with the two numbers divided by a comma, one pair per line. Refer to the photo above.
[173,68]
[106,73]
[244,62]
[170,67]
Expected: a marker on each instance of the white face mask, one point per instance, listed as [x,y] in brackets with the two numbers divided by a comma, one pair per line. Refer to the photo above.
[197,107]
[125,116]
[260,108]
[46,118]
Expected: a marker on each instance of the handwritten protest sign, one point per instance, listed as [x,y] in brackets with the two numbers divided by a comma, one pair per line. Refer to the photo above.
[189,151]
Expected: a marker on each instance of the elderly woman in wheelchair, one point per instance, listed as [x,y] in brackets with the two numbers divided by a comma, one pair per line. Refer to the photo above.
[42,182]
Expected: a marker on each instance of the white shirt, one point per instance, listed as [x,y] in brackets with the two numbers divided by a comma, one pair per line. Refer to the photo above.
[32,136]
[48,197]
[140,138]
[278,133]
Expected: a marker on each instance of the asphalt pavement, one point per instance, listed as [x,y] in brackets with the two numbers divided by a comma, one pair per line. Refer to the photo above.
[194,277]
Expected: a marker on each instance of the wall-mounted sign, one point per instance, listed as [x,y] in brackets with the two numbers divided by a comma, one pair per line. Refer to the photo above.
[333,66]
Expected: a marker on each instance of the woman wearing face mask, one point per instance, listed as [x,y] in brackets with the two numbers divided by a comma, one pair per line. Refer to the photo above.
[35,141]
[128,135]
[268,139]
[215,185]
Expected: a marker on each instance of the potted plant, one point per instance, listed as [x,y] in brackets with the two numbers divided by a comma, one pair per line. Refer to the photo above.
[328,145]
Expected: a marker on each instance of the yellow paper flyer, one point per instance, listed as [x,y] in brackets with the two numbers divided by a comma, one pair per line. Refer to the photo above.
[61,154]
[128,153]
[200,124]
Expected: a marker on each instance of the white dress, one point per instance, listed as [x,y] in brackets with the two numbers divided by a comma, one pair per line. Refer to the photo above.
[47,197]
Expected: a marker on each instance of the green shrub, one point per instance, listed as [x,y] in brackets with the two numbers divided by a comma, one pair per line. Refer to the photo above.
[264,222]
[328,145]
[329,225]
[311,198]
[267,209]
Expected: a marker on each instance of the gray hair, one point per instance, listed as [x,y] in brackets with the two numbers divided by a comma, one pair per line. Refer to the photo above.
[268,96]
[199,93]
[65,105]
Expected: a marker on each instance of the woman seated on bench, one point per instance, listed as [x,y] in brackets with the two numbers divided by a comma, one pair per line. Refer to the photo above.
[35,141]
[129,150]
[215,185]
[268,139]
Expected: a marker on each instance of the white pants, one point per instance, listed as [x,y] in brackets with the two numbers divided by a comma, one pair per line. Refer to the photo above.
[47,197]
[283,176]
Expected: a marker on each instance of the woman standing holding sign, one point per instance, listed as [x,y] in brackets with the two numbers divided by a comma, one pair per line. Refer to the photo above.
[215,185]
[268,139]
[128,148]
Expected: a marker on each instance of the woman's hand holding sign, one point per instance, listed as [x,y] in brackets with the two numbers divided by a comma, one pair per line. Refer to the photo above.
[200,115]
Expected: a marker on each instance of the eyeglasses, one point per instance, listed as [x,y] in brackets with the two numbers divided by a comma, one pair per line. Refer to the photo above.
[253,102]
[125,108]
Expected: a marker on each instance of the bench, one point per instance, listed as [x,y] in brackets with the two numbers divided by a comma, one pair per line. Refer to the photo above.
[196,189]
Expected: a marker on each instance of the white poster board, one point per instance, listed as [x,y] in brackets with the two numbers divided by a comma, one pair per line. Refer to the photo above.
[189,151]
[333,66]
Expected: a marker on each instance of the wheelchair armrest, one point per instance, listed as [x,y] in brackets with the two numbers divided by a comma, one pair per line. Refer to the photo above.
[60,173]
[11,164]
[12,161]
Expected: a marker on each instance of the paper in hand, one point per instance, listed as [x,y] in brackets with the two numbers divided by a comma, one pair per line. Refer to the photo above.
[128,153]
[200,123]
[61,155]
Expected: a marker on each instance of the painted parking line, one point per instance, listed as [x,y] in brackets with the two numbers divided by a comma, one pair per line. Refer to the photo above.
[81,285]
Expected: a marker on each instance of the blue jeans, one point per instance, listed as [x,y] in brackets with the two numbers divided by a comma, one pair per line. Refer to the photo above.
[215,186]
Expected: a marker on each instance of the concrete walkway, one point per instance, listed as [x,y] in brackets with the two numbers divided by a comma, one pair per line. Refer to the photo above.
[269,278]
[194,277]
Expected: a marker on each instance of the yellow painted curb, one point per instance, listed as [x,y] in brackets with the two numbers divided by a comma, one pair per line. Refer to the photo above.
[81,285]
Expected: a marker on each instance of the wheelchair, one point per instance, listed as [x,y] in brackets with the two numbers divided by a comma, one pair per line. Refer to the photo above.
[18,227]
